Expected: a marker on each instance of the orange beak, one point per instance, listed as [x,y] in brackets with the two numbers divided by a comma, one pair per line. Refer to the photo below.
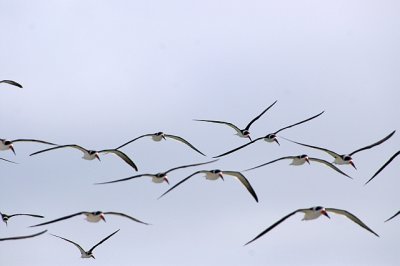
[222,176]
[307,160]
[12,148]
[352,164]
[325,213]
[166,180]
[97,156]
[103,218]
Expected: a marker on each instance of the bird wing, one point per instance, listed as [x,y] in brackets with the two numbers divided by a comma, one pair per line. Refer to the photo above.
[183,141]
[183,180]
[90,250]
[126,216]
[273,226]
[238,148]
[60,147]
[257,117]
[22,237]
[351,217]
[11,82]
[121,155]
[123,145]
[7,160]
[298,123]
[393,216]
[59,219]
[264,164]
[33,140]
[188,165]
[221,122]
[244,182]
[70,241]
[331,153]
[26,214]
[383,166]
[374,144]
[124,179]
[330,165]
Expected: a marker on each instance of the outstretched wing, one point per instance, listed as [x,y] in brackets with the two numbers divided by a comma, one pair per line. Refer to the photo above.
[145,135]
[393,216]
[126,216]
[123,179]
[264,164]
[70,241]
[59,219]
[189,165]
[7,160]
[11,82]
[26,214]
[239,176]
[329,165]
[183,141]
[60,147]
[374,144]
[33,140]
[257,117]
[238,148]
[90,250]
[22,237]
[383,166]
[298,123]
[121,155]
[221,122]
[331,153]
[183,180]
[351,217]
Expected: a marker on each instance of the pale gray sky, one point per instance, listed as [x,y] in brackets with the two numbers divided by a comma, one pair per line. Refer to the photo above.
[98,73]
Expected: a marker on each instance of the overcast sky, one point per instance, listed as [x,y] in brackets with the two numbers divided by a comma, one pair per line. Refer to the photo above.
[99,73]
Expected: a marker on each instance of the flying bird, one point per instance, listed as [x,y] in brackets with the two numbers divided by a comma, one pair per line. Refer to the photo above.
[92,217]
[22,237]
[345,158]
[383,167]
[300,160]
[243,133]
[92,154]
[314,213]
[9,144]
[6,217]
[393,216]
[160,136]
[216,174]
[89,253]
[271,137]
[156,178]
[11,82]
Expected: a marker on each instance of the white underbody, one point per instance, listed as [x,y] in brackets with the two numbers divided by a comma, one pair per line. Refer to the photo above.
[93,218]
[311,215]
[157,137]
[339,160]
[212,176]
[88,156]
[4,147]
[157,180]
[297,161]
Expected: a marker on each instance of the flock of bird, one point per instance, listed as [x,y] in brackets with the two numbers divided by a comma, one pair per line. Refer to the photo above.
[210,174]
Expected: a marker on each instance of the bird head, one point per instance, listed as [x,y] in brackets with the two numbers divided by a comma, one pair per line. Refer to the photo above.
[305,157]
[349,160]
[271,138]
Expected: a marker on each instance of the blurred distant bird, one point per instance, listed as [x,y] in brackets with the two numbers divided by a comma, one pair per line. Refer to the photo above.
[216,174]
[156,178]
[92,154]
[243,133]
[22,237]
[345,158]
[300,160]
[159,136]
[9,144]
[393,216]
[11,82]
[383,166]
[272,137]
[314,213]
[92,217]
[6,217]
[89,253]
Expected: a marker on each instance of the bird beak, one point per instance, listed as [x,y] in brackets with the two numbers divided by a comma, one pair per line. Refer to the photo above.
[92,256]
[352,164]
[166,180]
[103,218]
[307,160]
[163,136]
[97,156]
[222,176]
[276,140]
[249,137]
[325,213]
[12,148]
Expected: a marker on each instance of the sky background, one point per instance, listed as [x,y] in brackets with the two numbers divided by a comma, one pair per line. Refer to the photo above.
[99,73]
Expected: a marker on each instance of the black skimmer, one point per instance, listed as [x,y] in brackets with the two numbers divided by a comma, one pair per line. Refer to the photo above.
[156,178]
[89,253]
[393,216]
[217,174]
[160,136]
[383,166]
[11,82]
[92,154]
[7,160]
[92,217]
[6,217]
[8,144]
[271,137]
[22,237]
[314,213]
[345,158]
[300,160]
[243,133]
